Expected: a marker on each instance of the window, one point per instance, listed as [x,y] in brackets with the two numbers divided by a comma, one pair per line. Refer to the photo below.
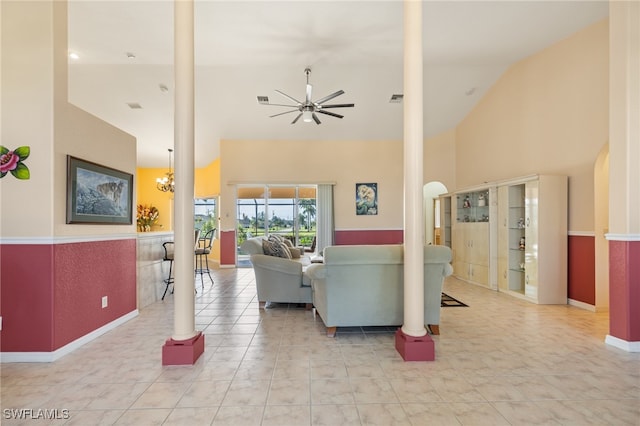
[288,210]
[205,214]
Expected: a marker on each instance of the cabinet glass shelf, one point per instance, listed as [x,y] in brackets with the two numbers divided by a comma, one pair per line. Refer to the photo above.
[472,207]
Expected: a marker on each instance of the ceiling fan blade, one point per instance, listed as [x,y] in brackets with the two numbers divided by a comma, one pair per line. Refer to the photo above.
[337,106]
[296,119]
[282,113]
[315,118]
[333,114]
[289,97]
[309,89]
[282,105]
[331,96]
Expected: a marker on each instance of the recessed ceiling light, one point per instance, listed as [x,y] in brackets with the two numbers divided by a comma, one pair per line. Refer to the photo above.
[263,100]
[131,55]
[396,98]
[74,56]
[134,105]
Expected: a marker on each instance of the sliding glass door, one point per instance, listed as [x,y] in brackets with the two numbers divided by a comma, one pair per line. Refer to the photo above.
[306,230]
[287,210]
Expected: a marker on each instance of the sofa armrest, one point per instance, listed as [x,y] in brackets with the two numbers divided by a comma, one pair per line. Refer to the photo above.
[315,271]
[252,245]
[448,269]
[277,264]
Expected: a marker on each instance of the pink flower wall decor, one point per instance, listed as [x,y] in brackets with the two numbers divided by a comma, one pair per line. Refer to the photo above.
[12,162]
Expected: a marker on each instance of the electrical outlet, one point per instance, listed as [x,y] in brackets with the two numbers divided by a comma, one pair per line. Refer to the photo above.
[105,301]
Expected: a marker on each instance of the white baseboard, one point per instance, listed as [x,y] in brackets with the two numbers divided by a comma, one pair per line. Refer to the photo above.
[6,357]
[622,344]
[582,305]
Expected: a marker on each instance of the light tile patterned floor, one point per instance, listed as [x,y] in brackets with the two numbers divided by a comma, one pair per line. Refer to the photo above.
[500,361]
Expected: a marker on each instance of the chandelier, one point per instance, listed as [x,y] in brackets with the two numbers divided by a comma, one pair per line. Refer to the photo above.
[166,183]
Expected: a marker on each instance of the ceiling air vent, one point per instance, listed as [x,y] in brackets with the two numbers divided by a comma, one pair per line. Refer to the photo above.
[263,100]
[134,105]
[396,99]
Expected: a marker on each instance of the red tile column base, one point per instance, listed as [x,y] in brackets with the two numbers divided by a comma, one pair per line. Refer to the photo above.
[415,348]
[182,352]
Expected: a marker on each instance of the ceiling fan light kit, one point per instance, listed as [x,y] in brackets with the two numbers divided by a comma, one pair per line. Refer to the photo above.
[308,109]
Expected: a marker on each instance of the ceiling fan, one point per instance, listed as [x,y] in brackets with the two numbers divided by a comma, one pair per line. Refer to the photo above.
[308,109]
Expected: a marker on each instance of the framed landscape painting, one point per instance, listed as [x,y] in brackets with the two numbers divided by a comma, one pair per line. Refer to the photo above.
[98,194]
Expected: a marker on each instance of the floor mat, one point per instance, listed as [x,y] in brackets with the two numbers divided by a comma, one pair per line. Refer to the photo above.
[448,301]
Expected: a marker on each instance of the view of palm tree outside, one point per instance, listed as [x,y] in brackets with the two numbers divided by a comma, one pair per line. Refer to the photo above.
[205,214]
[288,211]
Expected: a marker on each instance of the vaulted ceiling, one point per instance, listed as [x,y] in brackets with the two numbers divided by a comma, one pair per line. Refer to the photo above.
[244,49]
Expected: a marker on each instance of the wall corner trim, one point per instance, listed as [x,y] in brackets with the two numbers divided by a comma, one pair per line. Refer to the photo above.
[581,233]
[582,305]
[71,239]
[622,237]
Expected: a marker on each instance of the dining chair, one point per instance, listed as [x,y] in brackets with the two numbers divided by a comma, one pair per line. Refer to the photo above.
[168,247]
[169,250]
[203,249]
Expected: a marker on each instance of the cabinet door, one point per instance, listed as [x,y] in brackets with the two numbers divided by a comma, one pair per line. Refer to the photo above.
[445,221]
[479,274]
[531,239]
[458,251]
[461,270]
[459,244]
[478,240]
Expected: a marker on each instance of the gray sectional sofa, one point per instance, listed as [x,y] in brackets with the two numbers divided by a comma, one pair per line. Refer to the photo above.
[364,285]
[278,279]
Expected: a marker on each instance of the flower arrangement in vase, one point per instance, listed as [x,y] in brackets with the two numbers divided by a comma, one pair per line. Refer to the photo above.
[146,217]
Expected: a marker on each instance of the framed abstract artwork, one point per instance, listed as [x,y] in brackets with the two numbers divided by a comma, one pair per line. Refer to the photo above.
[98,194]
[366,199]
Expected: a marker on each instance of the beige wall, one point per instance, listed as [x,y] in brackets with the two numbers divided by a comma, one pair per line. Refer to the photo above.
[27,116]
[343,163]
[440,159]
[84,136]
[547,114]
[601,207]
[35,112]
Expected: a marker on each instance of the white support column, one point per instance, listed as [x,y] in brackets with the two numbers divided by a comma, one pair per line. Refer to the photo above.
[186,344]
[184,311]
[413,174]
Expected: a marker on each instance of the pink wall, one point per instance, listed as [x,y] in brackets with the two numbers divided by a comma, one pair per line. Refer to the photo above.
[26,273]
[51,294]
[84,273]
[228,248]
[624,290]
[369,236]
[581,268]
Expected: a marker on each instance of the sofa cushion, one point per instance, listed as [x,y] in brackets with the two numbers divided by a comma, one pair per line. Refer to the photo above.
[295,252]
[276,237]
[275,248]
[280,240]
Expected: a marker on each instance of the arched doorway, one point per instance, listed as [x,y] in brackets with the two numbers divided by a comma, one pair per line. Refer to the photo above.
[430,193]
